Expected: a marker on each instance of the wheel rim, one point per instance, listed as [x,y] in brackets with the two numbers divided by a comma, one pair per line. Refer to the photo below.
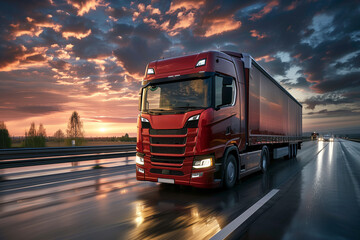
[230,172]
[264,162]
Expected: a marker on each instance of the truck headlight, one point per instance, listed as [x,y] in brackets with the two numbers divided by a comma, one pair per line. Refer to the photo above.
[204,162]
[144,120]
[194,118]
[139,159]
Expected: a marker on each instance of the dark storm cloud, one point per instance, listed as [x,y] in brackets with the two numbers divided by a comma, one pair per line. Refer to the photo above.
[85,70]
[36,58]
[276,67]
[350,64]
[12,9]
[324,100]
[119,12]
[300,83]
[38,109]
[141,45]
[91,47]
[325,113]
[339,82]
[10,53]
[60,64]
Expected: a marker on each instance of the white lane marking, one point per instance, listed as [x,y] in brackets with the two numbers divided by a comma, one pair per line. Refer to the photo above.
[228,229]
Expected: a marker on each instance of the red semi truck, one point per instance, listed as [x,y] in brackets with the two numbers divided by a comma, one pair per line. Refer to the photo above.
[208,119]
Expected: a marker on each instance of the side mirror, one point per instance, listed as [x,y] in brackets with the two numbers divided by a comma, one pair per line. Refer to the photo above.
[226,95]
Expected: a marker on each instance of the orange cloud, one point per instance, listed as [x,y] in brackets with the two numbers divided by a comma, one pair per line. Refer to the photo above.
[25,59]
[268,7]
[54,26]
[32,27]
[186,5]
[78,35]
[292,5]
[141,7]
[151,22]
[184,20]
[85,6]
[256,34]
[135,15]
[266,58]
[62,54]
[18,32]
[221,25]
[310,78]
[152,10]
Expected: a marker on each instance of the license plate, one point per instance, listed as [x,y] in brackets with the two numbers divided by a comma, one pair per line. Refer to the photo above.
[166,180]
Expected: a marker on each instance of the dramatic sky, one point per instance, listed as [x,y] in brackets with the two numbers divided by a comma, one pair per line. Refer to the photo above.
[57,56]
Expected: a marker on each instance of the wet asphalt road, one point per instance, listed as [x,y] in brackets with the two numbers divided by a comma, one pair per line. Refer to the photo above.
[319,198]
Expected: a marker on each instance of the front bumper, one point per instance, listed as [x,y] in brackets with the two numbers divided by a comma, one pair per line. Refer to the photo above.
[206,180]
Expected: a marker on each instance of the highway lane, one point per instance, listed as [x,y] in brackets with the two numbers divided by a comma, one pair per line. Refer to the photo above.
[322,202]
[109,203]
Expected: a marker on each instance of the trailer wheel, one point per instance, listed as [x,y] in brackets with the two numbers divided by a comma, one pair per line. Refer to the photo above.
[295,150]
[230,172]
[264,159]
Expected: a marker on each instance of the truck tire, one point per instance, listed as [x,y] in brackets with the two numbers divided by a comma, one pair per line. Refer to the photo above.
[264,162]
[230,172]
[295,150]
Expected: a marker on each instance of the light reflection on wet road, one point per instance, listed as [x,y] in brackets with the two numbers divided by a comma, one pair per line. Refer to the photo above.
[109,203]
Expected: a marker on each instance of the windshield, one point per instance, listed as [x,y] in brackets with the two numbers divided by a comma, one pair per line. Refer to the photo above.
[181,95]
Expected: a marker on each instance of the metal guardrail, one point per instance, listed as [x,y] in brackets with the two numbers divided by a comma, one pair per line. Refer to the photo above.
[16,153]
[23,157]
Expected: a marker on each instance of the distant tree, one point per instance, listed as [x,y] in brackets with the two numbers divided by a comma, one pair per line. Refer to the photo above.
[59,136]
[126,138]
[35,138]
[75,129]
[5,140]
[41,131]
[32,130]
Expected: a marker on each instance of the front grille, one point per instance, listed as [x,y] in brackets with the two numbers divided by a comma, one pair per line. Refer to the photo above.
[181,131]
[171,150]
[166,140]
[166,172]
[174,160]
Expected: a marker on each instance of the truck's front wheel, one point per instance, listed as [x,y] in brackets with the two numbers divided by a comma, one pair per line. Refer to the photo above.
[230,172]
